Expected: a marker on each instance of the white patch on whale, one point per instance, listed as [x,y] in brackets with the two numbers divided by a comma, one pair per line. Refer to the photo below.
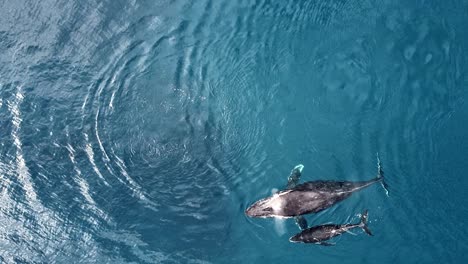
[280,225]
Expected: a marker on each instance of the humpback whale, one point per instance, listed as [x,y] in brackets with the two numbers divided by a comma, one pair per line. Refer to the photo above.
[308,197]
[321,233]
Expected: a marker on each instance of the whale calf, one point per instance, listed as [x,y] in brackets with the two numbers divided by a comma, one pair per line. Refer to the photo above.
[308,197]
[321,233]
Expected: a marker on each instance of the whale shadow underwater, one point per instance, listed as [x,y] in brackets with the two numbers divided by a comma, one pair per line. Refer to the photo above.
[309,197]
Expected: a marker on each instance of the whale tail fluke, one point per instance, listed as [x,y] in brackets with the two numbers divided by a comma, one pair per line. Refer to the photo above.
[363,223]
[380,175]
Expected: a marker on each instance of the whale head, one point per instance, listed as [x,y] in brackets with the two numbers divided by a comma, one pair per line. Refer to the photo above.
[272,206]
[298,238]
[259,209]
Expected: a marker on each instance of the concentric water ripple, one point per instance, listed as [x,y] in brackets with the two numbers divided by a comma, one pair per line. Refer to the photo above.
[138,132]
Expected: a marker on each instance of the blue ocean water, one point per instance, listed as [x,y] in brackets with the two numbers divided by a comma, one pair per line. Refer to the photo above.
[140,131]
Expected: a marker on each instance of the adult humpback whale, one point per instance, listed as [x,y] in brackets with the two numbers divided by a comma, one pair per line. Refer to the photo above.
[321,233]
[309,197]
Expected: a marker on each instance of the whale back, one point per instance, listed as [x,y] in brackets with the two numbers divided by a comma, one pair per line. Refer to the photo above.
[300,202]
[333,186]
[315,196]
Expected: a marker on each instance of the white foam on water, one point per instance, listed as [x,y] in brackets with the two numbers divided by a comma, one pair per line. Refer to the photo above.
[21,168]
[90,153]
[134,186]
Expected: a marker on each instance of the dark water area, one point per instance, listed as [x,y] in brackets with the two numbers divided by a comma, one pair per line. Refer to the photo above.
[140,131]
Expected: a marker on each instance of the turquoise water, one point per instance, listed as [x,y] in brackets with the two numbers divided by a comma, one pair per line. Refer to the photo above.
[140,131]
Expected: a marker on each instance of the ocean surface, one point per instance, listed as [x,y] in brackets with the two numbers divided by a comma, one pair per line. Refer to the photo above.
[139,131]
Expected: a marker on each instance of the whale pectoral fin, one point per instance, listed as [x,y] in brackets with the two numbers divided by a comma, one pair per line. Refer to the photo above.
[294,177]
[301,222]
[325,244]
